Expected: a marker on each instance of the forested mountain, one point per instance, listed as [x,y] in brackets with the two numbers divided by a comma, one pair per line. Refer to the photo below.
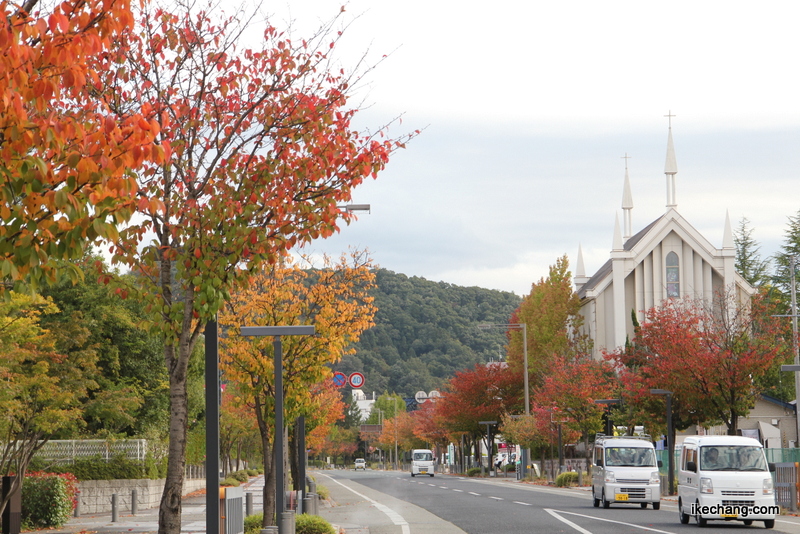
[425,331]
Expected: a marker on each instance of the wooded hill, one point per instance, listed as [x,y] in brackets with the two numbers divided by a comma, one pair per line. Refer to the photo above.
[425,331]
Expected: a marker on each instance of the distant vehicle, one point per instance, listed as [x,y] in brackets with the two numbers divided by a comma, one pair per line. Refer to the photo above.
[422,462]
[725,478]
[625,470]
[360,464]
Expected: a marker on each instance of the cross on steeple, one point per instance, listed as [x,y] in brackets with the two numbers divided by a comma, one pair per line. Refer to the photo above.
[626,157]
[670,115]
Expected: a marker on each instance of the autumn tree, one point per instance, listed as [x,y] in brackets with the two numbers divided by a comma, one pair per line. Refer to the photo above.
[551,313]
[571,388]
[483,393]
[710,357]
[67,157]
[43,390]
[262,154]
[335,298]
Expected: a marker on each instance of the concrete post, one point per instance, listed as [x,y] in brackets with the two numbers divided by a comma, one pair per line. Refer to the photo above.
[287,524]
[134,501]
[77,512]
[248,504]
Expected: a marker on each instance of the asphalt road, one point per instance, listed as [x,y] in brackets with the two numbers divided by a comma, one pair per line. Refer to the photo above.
[452,504]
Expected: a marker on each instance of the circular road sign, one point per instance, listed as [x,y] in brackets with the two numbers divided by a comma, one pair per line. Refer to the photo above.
[356,380]
[339,379]
[421,397]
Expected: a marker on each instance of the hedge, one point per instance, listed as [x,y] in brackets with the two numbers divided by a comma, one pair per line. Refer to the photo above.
[48,499]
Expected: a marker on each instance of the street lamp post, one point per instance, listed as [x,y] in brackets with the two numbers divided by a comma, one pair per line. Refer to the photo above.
[524,328]
[277,332]
[670,445]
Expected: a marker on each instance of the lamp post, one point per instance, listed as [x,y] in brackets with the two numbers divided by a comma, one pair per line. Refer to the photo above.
[488,444]
[609,403]
[524,328]
[395,434]
[795,349]
[670,445]
[277,332]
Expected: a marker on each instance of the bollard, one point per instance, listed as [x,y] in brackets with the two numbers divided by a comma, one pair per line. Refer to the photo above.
[312,486]
[248,504]
[134,501]
[114,512]
[308,504]
[287,523]
[77,512]
[580,478]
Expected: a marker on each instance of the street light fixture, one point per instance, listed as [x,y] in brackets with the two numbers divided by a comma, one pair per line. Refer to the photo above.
[524,328]
[277,332]
[355,207]
[670,445]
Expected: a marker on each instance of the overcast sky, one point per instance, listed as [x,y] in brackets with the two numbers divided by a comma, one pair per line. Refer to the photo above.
[528,107]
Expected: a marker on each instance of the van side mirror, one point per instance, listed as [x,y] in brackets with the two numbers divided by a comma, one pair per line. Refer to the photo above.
[771,467]
[659,463]
[599,461]
[691,466]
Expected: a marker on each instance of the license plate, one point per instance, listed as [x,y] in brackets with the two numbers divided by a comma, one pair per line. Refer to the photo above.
[621,496]
[423,470]
[729,515]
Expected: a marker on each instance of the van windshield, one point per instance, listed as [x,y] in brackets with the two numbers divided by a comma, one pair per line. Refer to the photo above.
[732,458]
[423,456]
[630,457]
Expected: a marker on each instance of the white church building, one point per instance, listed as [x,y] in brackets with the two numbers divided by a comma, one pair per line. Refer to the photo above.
[667,258]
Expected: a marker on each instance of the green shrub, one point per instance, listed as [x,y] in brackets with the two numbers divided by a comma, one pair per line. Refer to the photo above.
[323,492]
[48,499]
[312,524]
[118,467]
[241,476]
[473,471]
[230,481]
[569,478]
[509,467]
[253,472]
[253,523]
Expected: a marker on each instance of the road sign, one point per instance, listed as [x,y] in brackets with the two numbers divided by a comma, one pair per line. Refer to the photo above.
[356,380]
[421,397]
[339,379]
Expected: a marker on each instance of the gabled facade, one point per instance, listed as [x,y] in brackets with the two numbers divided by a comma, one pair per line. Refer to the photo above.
[668,258]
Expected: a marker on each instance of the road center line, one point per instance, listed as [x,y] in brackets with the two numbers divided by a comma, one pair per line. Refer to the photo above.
[496,498]
[567,521]
[473,493]
[458,490]
[396,518]
[522,503]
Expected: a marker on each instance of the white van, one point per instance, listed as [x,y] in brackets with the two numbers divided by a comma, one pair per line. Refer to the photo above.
[625,470]
[422,462]
[725,478]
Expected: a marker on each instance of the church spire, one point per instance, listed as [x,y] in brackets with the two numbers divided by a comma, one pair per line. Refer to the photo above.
[617,235]
[671,167]
[627,201]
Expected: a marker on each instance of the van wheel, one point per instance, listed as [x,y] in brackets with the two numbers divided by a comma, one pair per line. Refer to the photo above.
[644,505]
[656,506]
[431,475]
[412,475]
[684,517]
[769,523]
[595,500]
[701,521]
[606,504]
[748,522]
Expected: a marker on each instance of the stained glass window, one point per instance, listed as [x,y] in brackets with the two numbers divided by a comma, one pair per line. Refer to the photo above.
[673,276]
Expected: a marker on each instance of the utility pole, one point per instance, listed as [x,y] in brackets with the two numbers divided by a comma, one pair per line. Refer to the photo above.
[795,352]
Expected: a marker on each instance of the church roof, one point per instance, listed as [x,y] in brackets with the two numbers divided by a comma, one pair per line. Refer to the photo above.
[605,270]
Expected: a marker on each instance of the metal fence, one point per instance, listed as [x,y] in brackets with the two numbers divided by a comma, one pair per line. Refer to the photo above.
[67,451]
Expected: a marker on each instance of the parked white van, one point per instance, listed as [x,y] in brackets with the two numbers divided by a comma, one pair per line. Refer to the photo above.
[725,478]
[422,462]
[625,470]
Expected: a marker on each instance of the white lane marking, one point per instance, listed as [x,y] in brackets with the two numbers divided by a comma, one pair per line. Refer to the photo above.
[396,518]
[641,527]
[522,503]
[444,487]
[567,521]
[432,485]
[473,493]
[496,498]
[458,490]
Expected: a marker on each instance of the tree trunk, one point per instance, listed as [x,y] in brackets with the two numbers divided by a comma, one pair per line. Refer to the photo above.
[169,513]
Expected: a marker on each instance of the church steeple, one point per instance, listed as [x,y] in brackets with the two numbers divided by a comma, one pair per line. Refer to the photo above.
[671,167]
[627,201]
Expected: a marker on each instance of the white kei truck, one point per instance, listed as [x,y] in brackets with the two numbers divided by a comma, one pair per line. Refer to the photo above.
[725,478]
[625,470]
